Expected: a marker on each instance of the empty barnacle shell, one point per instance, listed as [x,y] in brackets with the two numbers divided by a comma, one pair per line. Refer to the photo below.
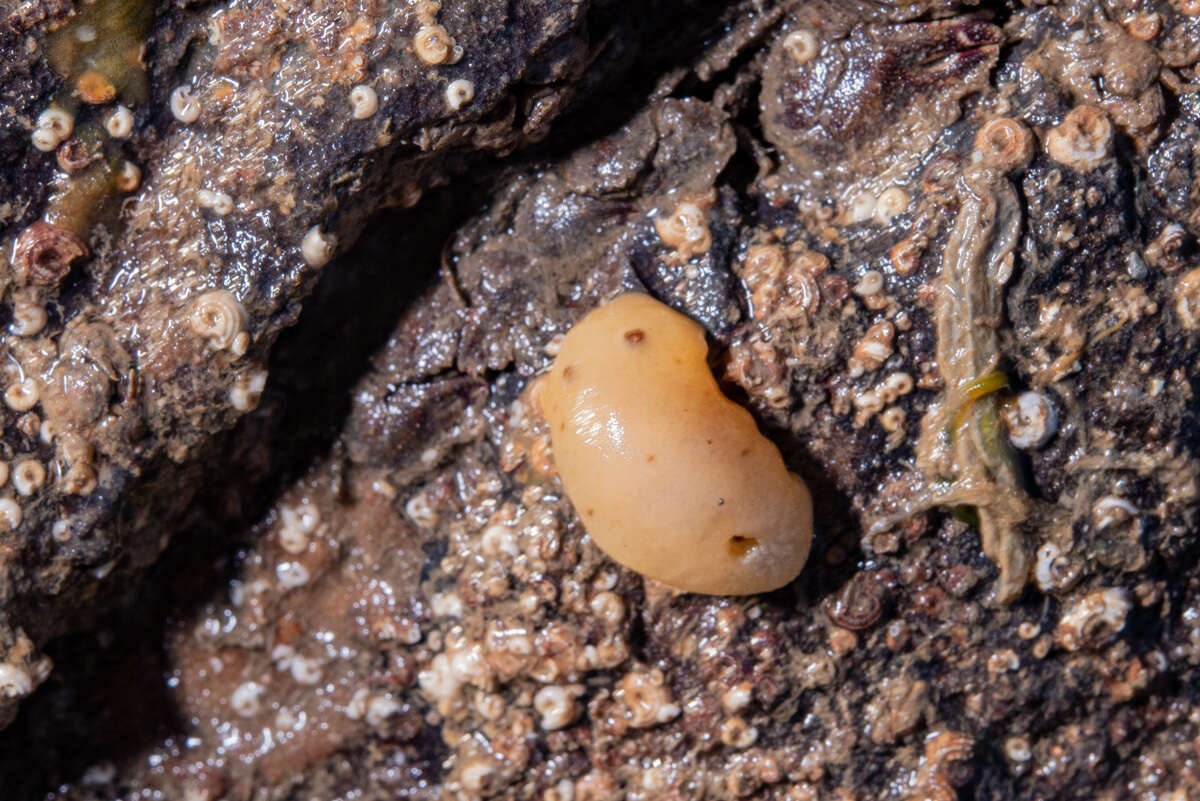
[1004,142]
[44,253]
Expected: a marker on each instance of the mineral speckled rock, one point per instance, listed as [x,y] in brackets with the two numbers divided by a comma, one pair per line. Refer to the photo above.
[418,610]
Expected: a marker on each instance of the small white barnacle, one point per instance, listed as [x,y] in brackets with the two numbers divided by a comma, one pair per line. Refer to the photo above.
[499,539]
[686,228]
[305,670]
[364,102]
[1031,420]
[28,476]
[247,389]
[53,127]
[185,105]
[217,202]
[29,318]
[801,45]
[1054,570]
[291,575]
[557,706]
[1112,510]
[379,709]
[219,318]
[14,682]
[458,93]
[647,698]
[891,202]
[10,513]
[245,699]
[119,122]
[1083,140]
[23,395]
[317,247]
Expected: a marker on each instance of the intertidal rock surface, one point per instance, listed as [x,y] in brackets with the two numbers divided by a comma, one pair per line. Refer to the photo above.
[945,254]
[174,180]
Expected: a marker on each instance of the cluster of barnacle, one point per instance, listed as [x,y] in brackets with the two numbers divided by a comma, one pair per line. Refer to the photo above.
[782,283]
[526,618]
[434,46]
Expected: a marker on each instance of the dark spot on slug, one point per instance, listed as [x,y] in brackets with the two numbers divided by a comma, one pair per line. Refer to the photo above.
[568,371]
[635,335]
[650,458]
[739,546]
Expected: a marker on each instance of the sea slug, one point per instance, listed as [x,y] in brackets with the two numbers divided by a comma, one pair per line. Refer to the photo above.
[670,477]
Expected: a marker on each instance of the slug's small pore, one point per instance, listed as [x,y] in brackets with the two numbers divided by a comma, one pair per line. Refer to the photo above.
[669,476]
[739,546]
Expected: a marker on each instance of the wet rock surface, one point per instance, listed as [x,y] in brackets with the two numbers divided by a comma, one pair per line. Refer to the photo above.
[956,283]
[175,180]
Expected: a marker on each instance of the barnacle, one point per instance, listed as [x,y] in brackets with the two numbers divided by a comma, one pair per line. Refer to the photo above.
[685,229]
[1093,620]
[43,253]
[317,247]
[669,476]
[53,126]
[1004,143]
[433,44]
[364,101]
[218,317]
[1083,140]
[459,92]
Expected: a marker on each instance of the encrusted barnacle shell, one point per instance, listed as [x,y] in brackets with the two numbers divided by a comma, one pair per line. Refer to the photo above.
[44,253]
[1083,140]
[1004,143]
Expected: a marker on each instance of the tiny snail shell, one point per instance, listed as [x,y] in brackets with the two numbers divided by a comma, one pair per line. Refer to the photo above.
[669,476]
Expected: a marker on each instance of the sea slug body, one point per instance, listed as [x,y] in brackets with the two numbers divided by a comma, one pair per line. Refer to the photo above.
[669,476]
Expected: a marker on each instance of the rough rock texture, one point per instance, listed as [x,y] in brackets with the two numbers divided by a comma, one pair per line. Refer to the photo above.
[969,319]
[143,307]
